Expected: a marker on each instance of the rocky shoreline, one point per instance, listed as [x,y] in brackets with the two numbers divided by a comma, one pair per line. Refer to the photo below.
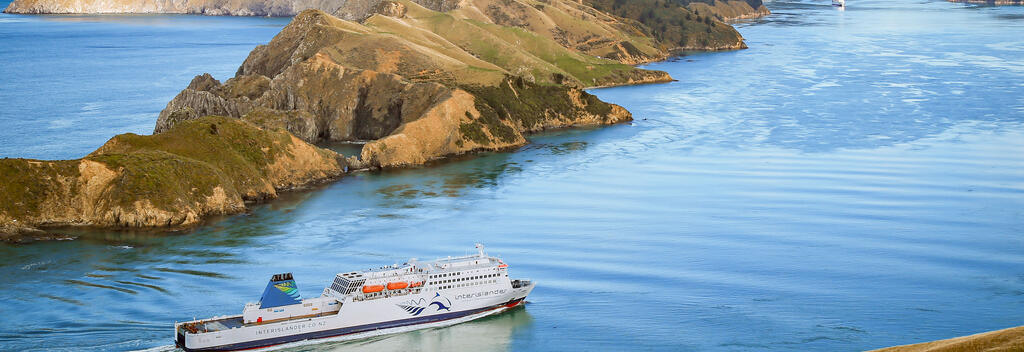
[416,83]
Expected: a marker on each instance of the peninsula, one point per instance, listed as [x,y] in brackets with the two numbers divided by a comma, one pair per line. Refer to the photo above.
[414,81]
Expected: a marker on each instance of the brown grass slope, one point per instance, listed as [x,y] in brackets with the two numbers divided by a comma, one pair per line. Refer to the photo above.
[1006,340]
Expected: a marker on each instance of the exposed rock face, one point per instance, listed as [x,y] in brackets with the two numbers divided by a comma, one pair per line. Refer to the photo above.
[415,97]
[200,167]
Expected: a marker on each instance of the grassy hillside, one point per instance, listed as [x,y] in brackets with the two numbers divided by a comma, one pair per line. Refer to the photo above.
[210,165]
[1006,340]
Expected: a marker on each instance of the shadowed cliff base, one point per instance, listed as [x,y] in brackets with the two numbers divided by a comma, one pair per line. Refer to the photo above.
[1006,340]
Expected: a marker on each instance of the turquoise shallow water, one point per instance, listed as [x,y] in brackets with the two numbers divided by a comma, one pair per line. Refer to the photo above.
[854,180]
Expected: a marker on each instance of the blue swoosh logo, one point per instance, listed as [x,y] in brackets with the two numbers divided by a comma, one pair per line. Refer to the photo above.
[440,305]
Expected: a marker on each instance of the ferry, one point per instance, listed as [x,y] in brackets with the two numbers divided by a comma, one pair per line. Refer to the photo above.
[377,301]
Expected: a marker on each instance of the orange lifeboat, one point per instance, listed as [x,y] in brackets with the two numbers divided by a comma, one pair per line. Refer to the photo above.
[415,284]
[397,285]
[373,288]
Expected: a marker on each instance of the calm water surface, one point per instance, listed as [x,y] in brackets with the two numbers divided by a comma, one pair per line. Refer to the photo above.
[68,83]
[853,180]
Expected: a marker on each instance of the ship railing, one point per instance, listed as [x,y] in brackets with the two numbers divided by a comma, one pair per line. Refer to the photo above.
[520,283]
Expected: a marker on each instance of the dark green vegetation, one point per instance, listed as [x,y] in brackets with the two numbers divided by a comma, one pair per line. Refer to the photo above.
[209,152]
[209,165]
[26,183]
[532,106]
[672,24]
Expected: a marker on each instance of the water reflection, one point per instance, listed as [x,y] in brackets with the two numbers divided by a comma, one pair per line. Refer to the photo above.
[491,333]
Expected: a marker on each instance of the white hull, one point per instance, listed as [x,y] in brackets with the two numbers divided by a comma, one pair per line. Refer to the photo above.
[395,330]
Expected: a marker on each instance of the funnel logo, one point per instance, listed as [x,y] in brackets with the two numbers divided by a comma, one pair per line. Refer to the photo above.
[288,287]
[415,307]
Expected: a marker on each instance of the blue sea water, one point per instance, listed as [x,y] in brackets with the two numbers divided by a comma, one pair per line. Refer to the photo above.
[71,82]
[854,180]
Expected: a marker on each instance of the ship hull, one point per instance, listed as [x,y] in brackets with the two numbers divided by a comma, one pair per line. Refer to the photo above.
[333,327]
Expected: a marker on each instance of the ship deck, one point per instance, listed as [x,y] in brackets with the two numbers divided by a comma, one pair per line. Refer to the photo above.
[221,324]
[227,323]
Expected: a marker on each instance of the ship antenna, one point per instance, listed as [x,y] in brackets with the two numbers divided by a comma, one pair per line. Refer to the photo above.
[480,249]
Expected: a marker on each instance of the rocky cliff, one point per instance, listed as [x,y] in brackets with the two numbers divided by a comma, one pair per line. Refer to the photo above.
[212,165]
[416,86]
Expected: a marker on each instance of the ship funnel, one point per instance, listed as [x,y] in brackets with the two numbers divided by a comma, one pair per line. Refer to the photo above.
[281,291]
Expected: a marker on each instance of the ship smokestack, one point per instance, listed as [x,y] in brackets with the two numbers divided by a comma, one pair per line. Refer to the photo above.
[280,291]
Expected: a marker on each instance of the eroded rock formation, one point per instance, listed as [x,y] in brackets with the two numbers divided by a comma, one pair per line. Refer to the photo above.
[416,97]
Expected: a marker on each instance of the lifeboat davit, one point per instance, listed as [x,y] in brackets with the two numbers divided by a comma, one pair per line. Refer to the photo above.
[397,285]
[373,288]
[416,284]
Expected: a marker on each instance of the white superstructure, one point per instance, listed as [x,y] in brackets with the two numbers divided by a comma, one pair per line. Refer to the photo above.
[415,293]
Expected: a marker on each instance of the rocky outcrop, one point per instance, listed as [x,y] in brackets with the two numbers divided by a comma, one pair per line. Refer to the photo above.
[414,95]
[1011,339]
[201,167]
